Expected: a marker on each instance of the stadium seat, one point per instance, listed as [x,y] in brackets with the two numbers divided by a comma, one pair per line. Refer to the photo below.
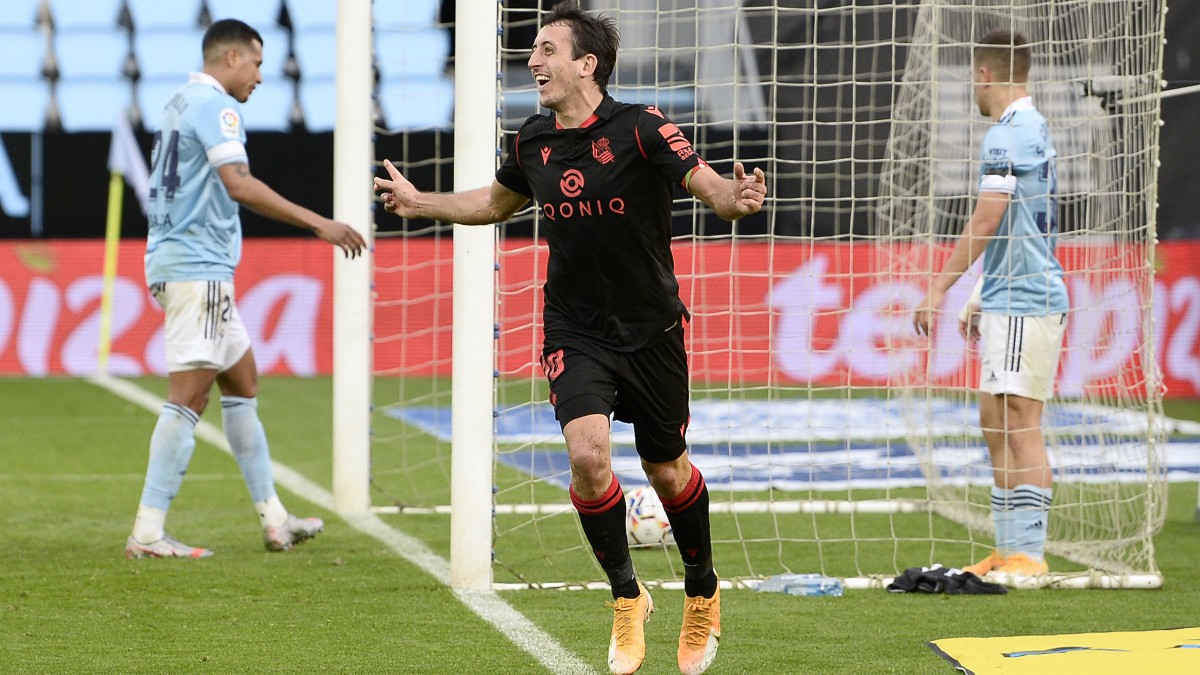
[412,53]
[167,52]
[316,53]
[21,53]
[151,14]
[417,103]
[91,53]
[309,15]
[258,13]
[406,14]
[92,105]
[21,14]
[152,97]
[72,14]
[26,103]
[269,108]
[318,102]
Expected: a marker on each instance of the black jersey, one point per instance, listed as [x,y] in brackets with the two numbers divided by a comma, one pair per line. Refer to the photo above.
[605,193]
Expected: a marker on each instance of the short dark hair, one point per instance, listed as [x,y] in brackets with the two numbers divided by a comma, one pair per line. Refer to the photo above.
[227,32]
[590,34]
[1006,53]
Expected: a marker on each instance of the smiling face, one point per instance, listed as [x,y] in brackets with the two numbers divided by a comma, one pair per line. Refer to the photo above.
[559,76]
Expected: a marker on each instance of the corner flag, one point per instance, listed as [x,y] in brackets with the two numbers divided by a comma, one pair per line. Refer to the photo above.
[125,158]
[125,161]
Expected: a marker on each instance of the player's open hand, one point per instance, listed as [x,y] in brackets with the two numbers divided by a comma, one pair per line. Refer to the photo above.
[968,322]
[924,313]
[344,237]
[398,195]
[749,189]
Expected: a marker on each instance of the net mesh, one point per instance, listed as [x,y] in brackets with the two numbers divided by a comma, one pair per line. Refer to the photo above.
[831,439]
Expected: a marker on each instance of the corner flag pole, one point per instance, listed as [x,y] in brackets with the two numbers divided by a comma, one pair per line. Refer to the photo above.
[112,240]
[125,162]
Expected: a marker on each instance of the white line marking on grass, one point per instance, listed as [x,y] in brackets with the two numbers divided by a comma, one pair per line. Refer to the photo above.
[486,604]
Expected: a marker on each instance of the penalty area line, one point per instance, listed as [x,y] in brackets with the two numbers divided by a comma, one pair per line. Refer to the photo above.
[486,604]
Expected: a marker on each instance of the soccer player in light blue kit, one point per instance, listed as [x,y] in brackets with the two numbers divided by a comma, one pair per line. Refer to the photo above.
[200,174]
[1023,300]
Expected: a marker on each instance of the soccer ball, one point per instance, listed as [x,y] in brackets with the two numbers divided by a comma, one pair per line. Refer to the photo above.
[646,521]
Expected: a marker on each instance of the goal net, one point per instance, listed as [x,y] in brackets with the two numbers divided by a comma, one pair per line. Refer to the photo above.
[832,439]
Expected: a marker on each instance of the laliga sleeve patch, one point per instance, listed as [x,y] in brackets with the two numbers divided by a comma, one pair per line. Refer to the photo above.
[231,123]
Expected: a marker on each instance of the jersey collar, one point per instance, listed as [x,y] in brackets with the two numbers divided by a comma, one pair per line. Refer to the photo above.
[205,78]
[602,112]
[1023,103]
[606,107]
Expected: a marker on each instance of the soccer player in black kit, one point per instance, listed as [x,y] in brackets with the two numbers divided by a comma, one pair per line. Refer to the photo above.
[602,173]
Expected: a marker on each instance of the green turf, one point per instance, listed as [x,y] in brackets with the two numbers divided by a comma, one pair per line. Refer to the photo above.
[73,459]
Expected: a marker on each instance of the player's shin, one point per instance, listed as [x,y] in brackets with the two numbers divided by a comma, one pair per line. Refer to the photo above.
[248,441]
[603,522]
[171,447]
[688,513]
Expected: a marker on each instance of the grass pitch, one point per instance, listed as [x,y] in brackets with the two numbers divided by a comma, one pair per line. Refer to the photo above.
[73,462]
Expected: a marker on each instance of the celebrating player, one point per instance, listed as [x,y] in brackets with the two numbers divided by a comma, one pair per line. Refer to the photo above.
[602,173]
[200,174]
[1023,300]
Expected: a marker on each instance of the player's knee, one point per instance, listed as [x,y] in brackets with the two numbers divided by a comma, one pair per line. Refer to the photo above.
[670,477]
[196,402]
[591,466]
[1022,413]
[243,385]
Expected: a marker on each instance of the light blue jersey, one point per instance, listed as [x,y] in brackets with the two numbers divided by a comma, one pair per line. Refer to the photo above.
[195,230]
[1021,276]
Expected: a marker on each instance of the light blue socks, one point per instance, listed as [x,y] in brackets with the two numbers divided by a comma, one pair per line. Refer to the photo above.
[246,437]
[171,447]
[249,443]
[1031,505]
[1020,516]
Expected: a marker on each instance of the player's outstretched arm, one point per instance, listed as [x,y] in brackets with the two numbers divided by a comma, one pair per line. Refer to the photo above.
[985,220]
[731,199]
[481,206]
[254,194]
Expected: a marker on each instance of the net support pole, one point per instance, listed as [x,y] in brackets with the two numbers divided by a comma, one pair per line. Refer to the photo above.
[353,151]
[475,143]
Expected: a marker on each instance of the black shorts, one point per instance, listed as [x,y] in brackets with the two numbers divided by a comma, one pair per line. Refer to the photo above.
[647,388]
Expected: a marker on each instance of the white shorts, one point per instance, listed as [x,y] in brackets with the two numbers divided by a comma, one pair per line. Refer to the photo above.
[1020,354]
[204,330]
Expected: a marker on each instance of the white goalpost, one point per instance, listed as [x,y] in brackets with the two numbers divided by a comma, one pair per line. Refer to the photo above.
[832,440]
[352,305]
[476,127]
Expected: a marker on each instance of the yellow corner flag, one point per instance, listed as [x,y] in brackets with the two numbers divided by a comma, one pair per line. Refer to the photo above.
[125,163]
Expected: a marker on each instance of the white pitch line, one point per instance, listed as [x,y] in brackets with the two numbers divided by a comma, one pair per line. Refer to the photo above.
[486,604]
